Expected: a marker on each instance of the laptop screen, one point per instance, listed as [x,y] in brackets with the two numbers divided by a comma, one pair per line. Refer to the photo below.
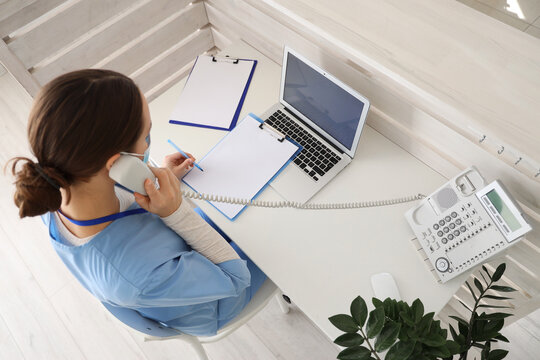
[322,101]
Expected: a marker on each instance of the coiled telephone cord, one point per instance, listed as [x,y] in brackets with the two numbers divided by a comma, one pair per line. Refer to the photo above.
[297,205]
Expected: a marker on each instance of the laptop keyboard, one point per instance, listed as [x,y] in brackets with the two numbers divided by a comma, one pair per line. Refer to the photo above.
[315,159]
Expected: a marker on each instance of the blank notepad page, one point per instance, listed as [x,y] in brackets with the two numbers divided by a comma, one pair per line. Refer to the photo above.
[213,92]
[240,165]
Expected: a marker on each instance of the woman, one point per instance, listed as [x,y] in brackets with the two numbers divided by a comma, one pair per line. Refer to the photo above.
[165,262]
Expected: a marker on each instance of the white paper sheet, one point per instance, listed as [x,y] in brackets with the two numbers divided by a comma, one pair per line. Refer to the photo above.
[240,165]
[213,92]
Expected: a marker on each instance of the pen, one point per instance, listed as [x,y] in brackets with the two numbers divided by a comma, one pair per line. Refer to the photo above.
[183,153]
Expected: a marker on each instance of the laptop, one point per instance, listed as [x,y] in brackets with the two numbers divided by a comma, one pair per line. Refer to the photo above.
[323,115]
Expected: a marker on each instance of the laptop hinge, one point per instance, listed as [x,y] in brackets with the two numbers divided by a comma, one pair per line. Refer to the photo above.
[312,129]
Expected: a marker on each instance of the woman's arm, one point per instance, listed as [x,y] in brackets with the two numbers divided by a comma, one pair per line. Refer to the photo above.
[199,234]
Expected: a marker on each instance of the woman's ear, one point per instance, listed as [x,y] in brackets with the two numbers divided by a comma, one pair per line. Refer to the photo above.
[111,161]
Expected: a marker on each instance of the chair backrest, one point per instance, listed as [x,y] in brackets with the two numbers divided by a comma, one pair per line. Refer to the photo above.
[147,326]
[133,319]
[152,41]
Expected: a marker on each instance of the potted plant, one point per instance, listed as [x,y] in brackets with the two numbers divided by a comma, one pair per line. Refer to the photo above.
[406,332]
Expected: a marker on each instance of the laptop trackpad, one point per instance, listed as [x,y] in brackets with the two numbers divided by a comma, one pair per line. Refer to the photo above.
[293,185]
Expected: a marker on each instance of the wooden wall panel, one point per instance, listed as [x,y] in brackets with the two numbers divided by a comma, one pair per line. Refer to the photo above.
[10,7]
[64,28]
[127,30]
[176,59]
[158,41]
[27,14]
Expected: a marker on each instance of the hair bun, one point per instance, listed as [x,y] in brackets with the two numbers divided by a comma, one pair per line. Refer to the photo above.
[37,188]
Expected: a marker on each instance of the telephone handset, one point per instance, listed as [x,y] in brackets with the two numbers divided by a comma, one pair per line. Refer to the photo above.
[465,222]
[131,173]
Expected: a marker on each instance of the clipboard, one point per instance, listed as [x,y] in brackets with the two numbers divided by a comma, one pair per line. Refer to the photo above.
[242,164]
[214,92]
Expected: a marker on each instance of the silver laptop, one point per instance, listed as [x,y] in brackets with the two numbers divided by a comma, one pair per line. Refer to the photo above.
[323,115]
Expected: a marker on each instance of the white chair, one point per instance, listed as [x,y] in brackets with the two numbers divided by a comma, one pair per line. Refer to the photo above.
[157,332]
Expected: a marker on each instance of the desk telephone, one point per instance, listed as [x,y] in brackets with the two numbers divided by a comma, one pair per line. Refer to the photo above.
[465,222]
[459,226]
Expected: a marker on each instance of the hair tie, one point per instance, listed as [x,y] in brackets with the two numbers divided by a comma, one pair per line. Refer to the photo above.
[40,171]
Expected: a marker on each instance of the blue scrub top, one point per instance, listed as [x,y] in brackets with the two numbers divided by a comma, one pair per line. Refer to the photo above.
[139,263]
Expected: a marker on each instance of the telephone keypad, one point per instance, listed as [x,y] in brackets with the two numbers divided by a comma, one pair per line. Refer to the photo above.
[452,230]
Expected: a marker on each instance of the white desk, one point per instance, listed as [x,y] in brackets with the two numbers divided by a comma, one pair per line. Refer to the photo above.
[322,259]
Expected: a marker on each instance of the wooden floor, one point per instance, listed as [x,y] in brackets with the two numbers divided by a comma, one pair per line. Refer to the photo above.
[46,314]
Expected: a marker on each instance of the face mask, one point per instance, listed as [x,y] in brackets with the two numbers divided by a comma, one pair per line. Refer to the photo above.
[145,155]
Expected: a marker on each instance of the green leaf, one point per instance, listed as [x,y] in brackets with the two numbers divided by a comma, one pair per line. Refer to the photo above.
[486,270]
[463,329]
[485,351]
[417,310]
[453,347]
[388,336]
[434,340]
[484,278]
[359,311]
[375,322]
[390,308]
[400,350]
[493,316]
[502,288]
[376,302]
[494,325]
[344,323]
[460,320]
[471,290]
[453,332]
[349,339]
[439,351]
[494,307]
[496,297]
[424,325]
[406,318]
[497,354]
[355,353]
[499,272]
[478,285]
[501,337]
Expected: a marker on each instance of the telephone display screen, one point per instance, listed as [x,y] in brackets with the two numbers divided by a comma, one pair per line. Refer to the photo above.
[503,210]
[322,101]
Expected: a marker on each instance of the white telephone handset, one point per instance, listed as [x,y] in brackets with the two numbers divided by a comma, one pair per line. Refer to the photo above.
[131,173]
[465,222]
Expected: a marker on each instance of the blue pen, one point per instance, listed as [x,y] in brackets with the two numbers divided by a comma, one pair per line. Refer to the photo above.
[183,153]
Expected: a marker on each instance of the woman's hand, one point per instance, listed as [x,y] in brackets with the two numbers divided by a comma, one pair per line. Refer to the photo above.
[178,164]
[165,200]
